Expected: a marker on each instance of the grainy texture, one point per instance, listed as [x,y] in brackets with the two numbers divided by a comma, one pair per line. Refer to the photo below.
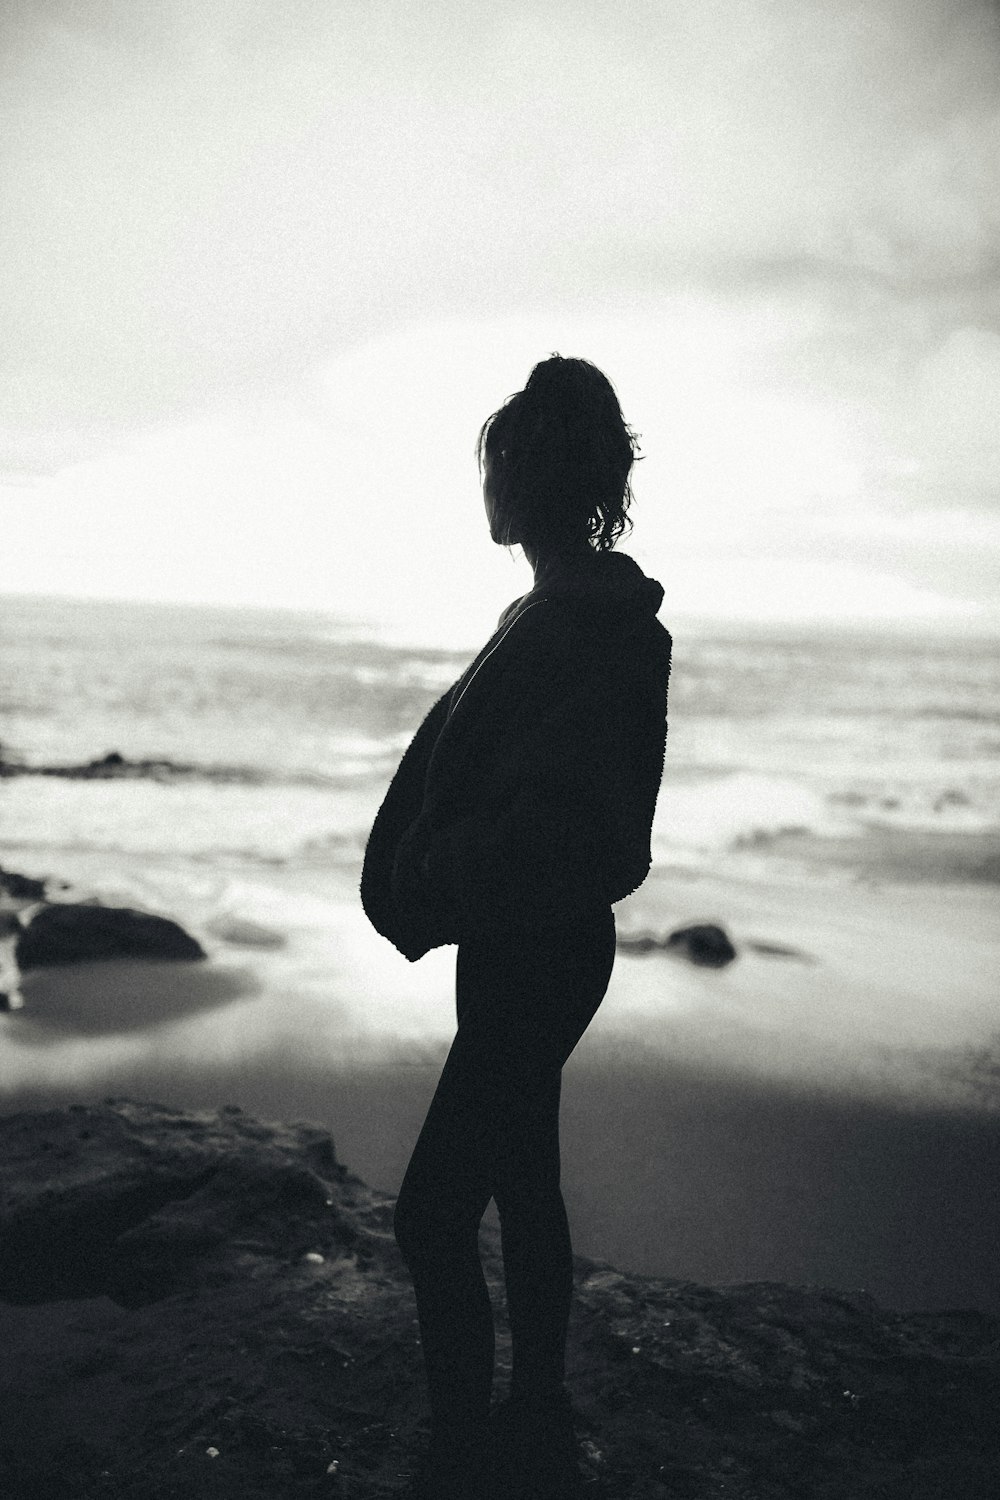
[176,1283]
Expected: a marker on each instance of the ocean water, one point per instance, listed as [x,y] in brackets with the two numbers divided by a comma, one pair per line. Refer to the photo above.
[275,733]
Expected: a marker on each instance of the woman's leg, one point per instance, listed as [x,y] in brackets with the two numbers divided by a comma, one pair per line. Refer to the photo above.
[559,984]
[440,1205]
[492,1130]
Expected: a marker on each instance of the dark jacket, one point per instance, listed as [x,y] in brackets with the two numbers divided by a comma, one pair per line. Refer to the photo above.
[526,797]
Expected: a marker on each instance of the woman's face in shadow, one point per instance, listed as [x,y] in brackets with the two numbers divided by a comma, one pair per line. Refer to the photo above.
[489,498]
[502,534]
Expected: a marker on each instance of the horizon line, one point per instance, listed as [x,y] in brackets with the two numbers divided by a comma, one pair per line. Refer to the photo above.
[946,623]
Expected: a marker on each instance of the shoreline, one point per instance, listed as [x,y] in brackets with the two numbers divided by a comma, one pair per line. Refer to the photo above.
[828,1112]
[673,1171]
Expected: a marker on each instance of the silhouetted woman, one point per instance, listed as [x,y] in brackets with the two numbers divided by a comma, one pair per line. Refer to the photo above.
[520,812]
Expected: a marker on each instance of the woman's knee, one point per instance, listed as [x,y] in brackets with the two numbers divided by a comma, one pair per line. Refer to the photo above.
[411,1223]
[428,1225]
[527,1172]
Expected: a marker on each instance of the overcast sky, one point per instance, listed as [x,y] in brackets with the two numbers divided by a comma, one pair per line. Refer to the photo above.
[267,268]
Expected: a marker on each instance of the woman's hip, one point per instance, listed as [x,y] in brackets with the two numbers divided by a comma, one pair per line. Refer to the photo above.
[537,988]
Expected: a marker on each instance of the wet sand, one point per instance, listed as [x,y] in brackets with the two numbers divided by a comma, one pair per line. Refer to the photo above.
[826,1114]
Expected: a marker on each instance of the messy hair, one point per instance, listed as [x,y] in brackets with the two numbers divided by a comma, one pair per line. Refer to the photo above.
[560,453]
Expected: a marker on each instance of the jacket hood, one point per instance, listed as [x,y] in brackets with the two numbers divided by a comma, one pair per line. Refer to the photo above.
[609,595]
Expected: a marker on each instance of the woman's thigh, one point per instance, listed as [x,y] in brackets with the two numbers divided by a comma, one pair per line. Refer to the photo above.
[523,1003]
[524,999]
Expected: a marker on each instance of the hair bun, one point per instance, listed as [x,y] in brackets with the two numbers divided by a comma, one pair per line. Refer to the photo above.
[549,375]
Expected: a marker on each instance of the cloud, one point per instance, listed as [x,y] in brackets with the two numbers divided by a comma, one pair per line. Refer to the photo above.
[210,197]
[958,411]
[360,493]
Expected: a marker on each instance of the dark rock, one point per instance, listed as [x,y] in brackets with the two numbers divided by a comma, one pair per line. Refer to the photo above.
[10,924]
[263,1313]
[134,1201]
[21,887]
[703,943]
[72,932]
[115,766]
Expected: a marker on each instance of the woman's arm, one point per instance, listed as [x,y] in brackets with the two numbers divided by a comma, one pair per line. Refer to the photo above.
[400,807]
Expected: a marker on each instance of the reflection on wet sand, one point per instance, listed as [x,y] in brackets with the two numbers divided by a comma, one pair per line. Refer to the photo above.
[111,996]
[669,1168]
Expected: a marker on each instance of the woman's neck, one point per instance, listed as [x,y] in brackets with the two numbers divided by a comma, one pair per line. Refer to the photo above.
[550,562]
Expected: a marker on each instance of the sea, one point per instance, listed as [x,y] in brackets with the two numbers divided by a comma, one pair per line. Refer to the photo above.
[271,735]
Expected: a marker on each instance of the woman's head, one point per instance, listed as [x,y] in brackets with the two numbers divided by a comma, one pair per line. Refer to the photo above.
[557,457]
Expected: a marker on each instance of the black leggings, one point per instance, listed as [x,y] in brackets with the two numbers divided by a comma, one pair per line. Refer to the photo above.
[492,1131]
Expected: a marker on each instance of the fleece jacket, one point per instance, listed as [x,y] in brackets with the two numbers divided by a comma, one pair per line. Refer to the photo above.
[525,800]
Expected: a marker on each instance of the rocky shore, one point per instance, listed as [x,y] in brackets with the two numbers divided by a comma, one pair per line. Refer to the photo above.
[113,766]
[204,1303]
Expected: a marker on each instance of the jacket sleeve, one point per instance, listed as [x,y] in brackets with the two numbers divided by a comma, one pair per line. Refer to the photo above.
[559,833]
[400,808]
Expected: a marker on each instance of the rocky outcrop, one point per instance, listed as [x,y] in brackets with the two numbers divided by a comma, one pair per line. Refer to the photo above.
[207,1304]
[21,887]
[72,932]
[703,943]
[136,1202]
[113,766]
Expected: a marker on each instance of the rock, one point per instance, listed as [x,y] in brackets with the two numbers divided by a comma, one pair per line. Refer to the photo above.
[116,767]
[113,766]
[263,1324]
[135,1201]
[72,932]
[703,943]
[21,887]
[110,762]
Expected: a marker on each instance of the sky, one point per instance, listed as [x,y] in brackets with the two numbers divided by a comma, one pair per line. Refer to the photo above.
[267,269]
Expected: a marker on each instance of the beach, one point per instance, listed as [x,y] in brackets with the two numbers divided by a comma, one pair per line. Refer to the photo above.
[822,1110]
[206,1302]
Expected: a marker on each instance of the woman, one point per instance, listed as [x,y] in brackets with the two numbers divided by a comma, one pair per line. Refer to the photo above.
[520,812]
